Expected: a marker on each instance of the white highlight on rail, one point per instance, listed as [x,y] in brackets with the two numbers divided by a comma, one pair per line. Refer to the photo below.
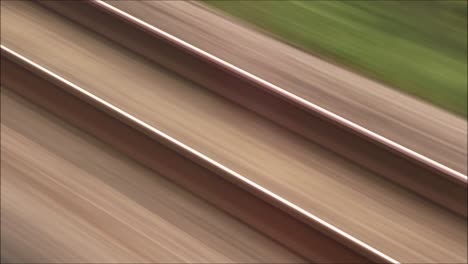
[291,96]
[202,156]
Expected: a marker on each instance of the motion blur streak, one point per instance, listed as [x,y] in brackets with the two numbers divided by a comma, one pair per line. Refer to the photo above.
[60,189]
[297,99]
[400,224]
[243,179]
[415,124]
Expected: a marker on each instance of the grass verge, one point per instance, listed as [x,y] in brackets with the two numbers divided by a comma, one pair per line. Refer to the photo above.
[419,47]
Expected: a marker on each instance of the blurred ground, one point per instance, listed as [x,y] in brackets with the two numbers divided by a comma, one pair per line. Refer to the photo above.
[370,208]
[68,198]
[417,46]
[407,120]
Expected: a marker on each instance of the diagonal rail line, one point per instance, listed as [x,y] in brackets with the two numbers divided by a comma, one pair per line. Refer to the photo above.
[293,226]
[422,175]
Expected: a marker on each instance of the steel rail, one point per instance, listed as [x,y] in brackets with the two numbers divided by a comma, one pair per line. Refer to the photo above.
[271,214]
[389,159]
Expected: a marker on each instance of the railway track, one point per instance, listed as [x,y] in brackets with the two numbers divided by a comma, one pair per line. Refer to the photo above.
[68,197]
[187,167]
[237,194]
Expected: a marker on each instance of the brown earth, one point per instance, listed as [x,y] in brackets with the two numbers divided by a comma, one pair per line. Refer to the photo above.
[406,120]
[396,222]
[66,197]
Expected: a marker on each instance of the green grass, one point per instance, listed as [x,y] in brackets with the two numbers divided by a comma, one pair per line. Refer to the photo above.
[418,47]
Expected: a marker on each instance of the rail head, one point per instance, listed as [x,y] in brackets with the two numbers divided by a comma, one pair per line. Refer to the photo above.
[10,57]
[386,158]
[286,95]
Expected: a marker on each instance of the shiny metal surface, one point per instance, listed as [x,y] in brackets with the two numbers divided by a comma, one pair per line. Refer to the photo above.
[376,211]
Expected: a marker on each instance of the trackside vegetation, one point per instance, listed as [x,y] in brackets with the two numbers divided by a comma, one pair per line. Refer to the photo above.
[419,47]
